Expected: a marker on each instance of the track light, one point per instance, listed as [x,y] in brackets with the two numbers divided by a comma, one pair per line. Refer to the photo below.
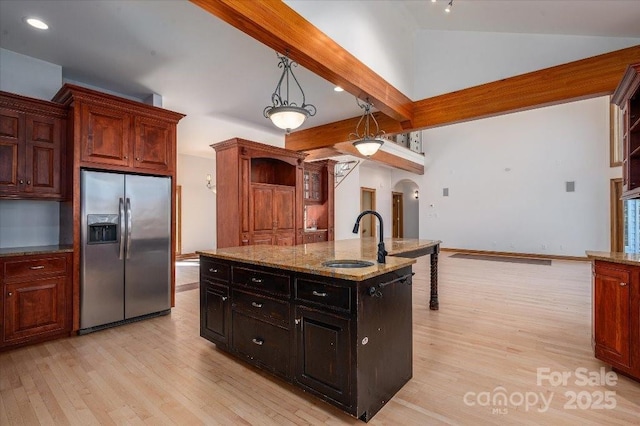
[449,6]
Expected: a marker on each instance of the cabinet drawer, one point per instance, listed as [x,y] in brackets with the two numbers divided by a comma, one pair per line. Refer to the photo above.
[263,343]
[271,310]
[261,280]
[215,270]
[30,268]
[323,294]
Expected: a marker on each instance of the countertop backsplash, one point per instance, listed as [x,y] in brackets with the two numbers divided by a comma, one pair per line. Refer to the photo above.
[25,223]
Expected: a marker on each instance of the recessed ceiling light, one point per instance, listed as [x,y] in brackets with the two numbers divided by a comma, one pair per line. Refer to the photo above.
[37,23]
[338,89]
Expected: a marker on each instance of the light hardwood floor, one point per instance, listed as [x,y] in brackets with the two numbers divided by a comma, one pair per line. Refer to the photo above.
[498,323]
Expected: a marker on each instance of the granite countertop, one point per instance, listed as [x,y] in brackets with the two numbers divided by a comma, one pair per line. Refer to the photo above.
[24,251]
[308,258]
[632,259]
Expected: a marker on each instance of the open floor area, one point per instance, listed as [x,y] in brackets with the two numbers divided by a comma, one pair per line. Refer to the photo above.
[511,344]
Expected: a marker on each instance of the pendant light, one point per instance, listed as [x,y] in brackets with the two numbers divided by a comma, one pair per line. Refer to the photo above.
[367,142]
[285,113]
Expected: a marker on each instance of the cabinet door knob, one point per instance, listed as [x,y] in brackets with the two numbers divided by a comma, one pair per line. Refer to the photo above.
[137,158]
[10,294]
[224,298]
[21,181]
[28,182]
[623,284]
[297,321]
[126,157]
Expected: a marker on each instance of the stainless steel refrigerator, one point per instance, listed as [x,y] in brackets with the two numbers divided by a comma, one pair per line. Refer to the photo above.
[125,257]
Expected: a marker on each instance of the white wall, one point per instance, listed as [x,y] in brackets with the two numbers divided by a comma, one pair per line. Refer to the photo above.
[347,204]
[198,203]
[378,33]
[28,76]
[466,59]
[24,222]
[506,177]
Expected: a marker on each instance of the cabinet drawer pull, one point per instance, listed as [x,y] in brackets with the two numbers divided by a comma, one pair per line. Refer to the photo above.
[10,294]
[315,293]
[33,268]
[28,182]
[21,181]
[258,342]
[215,271]
[256,304]
[623,284]
[256,280]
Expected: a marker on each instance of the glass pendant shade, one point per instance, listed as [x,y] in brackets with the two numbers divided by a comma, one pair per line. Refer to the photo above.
[287,117]
[368,147]
[367,141]
[284,112]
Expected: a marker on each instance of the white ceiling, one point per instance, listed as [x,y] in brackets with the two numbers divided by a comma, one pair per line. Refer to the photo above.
[223,79]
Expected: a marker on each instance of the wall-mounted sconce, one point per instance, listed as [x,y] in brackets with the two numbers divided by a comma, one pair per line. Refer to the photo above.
[415,194]
[211,186]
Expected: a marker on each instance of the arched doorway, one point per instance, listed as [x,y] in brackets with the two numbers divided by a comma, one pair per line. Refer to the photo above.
[406,210]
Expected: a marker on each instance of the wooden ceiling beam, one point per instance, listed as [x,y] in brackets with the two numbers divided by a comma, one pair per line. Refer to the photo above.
[382,157]
[586,78]
[276,25]
[583,79]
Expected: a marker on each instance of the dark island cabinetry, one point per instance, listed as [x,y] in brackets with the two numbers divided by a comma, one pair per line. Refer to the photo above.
[347,342]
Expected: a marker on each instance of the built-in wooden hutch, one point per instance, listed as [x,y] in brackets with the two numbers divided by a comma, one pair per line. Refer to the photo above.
[269,195]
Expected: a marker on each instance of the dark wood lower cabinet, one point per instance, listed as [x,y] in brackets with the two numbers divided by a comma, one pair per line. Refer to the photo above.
[616,316]
[36,298]
[323,362]
[347,342]
[214,320]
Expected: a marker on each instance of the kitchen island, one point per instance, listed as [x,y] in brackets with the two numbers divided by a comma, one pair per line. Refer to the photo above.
[342,334]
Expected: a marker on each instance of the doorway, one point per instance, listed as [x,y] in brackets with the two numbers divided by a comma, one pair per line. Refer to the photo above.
[178,241]
[397,215]
[367,202]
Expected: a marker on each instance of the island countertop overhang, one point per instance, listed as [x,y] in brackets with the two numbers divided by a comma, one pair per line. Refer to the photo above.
[308,258]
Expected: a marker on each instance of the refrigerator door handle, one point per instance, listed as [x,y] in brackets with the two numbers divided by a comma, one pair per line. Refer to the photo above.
[122,233]
[129,228]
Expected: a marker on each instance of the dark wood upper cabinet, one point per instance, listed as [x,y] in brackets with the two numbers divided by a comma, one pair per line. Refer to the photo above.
[119,134]
[154,140]
[32,142]
[105,135]
[319,187]
[627,97]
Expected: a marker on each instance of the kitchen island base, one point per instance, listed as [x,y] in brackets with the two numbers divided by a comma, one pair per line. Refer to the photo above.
[347,342]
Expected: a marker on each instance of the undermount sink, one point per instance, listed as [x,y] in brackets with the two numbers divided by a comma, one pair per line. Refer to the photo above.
[346,263]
